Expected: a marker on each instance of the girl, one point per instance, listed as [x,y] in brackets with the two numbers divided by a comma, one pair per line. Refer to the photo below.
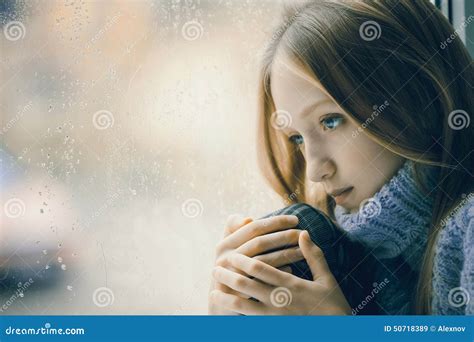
[365,114]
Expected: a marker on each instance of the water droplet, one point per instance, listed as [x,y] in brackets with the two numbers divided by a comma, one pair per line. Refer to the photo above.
[63,267]
[69,287]
[46,267]
[21,294]
[60,259]
[45,251]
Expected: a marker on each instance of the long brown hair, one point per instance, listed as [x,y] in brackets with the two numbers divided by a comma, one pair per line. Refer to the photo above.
[365,53]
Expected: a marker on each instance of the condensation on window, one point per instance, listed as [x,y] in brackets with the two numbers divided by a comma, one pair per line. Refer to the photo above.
[127,138]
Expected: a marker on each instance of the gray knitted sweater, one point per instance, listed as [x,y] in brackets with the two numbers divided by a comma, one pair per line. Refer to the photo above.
[394,223]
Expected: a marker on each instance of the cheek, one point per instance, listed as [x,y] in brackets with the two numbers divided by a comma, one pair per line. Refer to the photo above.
[353,155]
[365,165]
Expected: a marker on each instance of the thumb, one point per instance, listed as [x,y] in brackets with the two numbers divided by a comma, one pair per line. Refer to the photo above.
[234,222]
[314,256]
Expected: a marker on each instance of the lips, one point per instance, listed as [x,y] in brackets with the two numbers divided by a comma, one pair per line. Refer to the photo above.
[340,195]
[340,191]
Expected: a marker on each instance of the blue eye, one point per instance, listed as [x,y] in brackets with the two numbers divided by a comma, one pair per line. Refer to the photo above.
[296,139]
[331,122]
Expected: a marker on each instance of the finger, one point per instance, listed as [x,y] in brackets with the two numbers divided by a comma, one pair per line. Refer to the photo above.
[241,283]
[257,228]
[286,269]
[236,304]
[226,289]
[260,270]
[314,257]
[281,258]
[234,222]
[268,242]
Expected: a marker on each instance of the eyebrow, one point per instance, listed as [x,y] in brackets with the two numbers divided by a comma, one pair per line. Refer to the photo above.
[308,110]
[312,107]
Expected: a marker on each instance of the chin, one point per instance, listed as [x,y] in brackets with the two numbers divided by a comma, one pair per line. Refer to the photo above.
[349,207]
[352,207]
[354,210]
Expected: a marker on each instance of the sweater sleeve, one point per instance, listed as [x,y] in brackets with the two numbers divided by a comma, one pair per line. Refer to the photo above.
[467,273]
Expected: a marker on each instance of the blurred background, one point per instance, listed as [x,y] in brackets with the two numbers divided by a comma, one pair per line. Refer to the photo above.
[127,138]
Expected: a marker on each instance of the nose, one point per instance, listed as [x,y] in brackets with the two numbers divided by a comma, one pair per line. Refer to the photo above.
[320,170]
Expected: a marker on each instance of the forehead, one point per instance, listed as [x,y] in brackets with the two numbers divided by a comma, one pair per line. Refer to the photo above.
[293,88]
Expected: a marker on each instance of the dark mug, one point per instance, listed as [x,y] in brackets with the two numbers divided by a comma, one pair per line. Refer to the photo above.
[349,261]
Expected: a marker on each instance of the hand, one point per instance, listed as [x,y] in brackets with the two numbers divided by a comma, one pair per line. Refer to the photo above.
[246,237]
[281,293]
[234,222]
